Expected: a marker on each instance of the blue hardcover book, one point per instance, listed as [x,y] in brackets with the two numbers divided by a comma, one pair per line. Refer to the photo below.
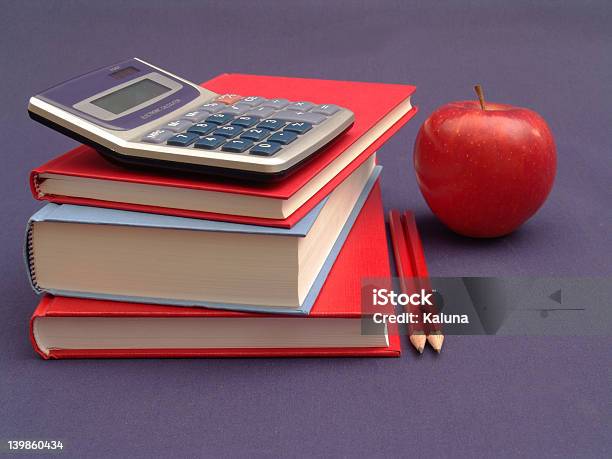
[92,252]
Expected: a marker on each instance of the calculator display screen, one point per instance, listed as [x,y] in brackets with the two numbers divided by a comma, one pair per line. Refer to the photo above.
[130,96]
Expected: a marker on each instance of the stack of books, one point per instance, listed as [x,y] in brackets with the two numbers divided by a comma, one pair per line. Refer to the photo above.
[140,263]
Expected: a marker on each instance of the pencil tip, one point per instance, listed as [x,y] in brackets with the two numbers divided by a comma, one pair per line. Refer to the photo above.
[436,340]
[418,341]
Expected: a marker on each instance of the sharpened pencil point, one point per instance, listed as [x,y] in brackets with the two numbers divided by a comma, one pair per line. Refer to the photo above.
[418,340]
[435,341]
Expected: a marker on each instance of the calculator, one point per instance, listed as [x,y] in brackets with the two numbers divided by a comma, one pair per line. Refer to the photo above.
[137,114]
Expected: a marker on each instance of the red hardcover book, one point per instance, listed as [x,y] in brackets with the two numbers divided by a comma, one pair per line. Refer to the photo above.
[364,255]
[380,111]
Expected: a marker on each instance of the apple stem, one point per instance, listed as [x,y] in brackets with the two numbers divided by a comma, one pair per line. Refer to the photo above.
[480,94]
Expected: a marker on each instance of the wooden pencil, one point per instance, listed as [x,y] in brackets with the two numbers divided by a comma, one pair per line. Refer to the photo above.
[435,337]
[416,331]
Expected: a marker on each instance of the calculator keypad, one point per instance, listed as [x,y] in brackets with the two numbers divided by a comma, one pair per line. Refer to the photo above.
[182,140]
[284,138]
[202,128]
[271,124]
[228,131]
[196,116]
[237,145]
[300,106]
[212,107]
[299,126]
[252,101]
[219,118]
[158,136]
[327,109]
[261,112]
[251,125]
[246,121]
[177,125]
[210,142]
[236,109]
[290,115]
[265,149]
[276,104]
[228,99]
[256,134]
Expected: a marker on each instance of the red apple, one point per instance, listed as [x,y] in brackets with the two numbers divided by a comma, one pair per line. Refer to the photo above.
[484,169]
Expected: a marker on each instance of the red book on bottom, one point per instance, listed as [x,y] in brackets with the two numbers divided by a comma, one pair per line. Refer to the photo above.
[364,255]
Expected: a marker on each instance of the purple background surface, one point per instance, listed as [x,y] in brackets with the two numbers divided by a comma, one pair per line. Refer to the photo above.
[483,396]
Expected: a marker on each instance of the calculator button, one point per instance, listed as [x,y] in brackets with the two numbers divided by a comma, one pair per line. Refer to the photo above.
[209,143]
[265,149]
[241,105]
[196,116]
[177,125]
[283,137]
[227,131]
[158,136]
[252,101]
[236,109]
[228,99]
[245,121]
[237,145]
[275,103]
[255,134]
[326,109]
[202,128]
[308,117]
[271,124]
[299,126]
[219,118]
[262,112]
[182,140]
[300,106]
[212,107]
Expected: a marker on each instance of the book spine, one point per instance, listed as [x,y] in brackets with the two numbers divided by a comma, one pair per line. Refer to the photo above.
[29,258]
[35,186]
[41,311]
[33,340]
